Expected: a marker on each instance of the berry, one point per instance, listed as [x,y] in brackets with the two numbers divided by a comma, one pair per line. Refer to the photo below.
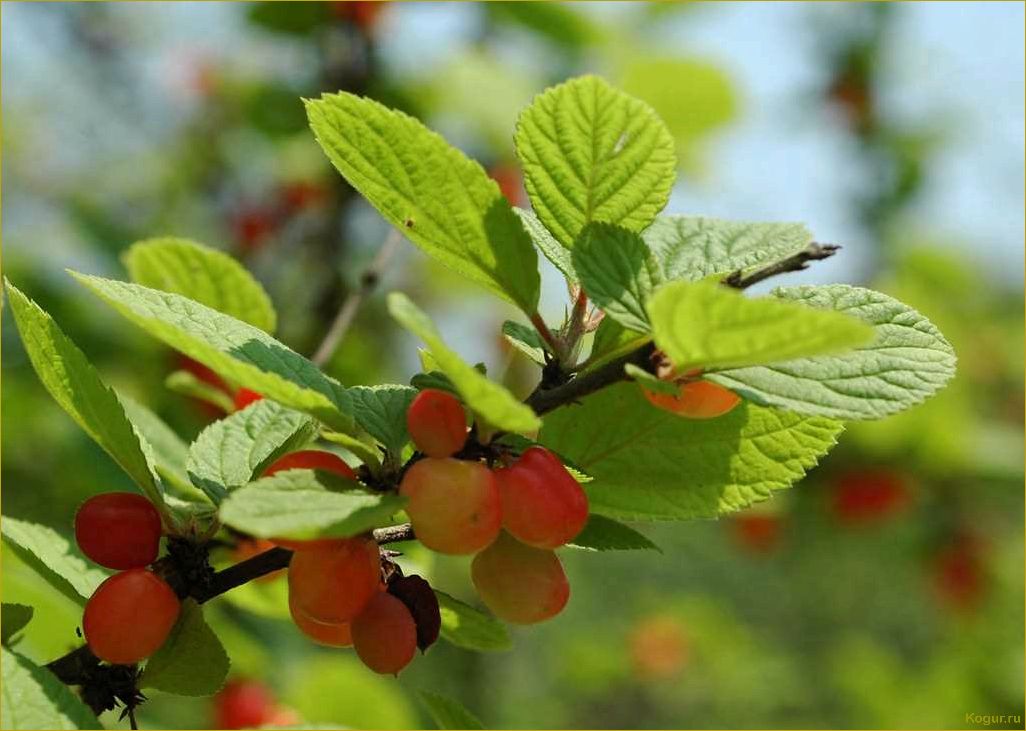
[453,505]
[542,504]
[243,704]
[129,616]
[436,423]
[323,633]
[332,583]
[312,459]
[863,496]
[244,397]
[384,634]
[696,400]
[119,530]
[758,533]
[659,647]
[519,583]
[511,183]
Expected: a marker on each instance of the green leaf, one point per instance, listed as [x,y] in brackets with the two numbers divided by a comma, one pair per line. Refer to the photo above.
[554,251]
[202,274]
[907,362]
[381,412]
[73,383]
[13,618]
[605,534]
[441,200]
[466,627]
[31,697]
[659,466]
[707,325]
[191,661]
[231,452]
[526,340]
[448,713]
[494,403]
[650,381]
[613,340]
[694,247]
[169,451]
[295,504]
[618,272]
[49,555]
[187,384]
[593,153]
[434,379]
[235,350]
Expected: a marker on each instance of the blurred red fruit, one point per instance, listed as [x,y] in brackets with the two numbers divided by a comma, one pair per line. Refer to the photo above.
[302,194]
[658,647]
[364,15]
[511,183]
[252,226]
[244,397]
[243,704]
[958,577]
[868,495]
[757,533]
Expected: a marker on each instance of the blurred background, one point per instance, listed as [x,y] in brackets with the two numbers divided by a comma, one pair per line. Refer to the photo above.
[884,591]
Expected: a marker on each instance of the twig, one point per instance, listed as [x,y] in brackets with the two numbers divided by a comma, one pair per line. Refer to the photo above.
[545,400]
[347,313]
[394,534]
[793,263]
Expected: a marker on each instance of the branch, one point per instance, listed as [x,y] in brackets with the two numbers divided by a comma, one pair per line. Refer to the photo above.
[347,313]
[545,400]
[794,263]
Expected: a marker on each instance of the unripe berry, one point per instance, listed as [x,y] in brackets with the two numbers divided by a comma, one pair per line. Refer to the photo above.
[519,583]
[437,423]
[119,530]
[312,459]
[542,504]
[129,616]
[323,633]
[333,583]
[384,634]
[453,505]
[696,400]
[244,397]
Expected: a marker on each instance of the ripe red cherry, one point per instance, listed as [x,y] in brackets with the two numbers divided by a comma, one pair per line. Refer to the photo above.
[520,584]
[437,423]
[454,505]
[542,504]
[243,704]
[244,397]
[695,400]
[129,616]
[333,583]
[384,634]
[312,459]
[119,530]
[323,633]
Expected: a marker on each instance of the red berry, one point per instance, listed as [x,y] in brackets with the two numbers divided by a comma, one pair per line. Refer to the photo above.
[862,496]
[511,183]
[244,397]
[129,616]
[312,459]
[252,226]
[323,633]
[958,574]
[757,532]
[695,400]
[119,530]
[333,583]
[437,423]
[243,704]
[542,504]
[520,584]
[384,634]
[453,505]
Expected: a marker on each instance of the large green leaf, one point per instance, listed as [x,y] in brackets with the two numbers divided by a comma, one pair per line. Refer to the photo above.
[593,153]
[618,272]
[654,465]
[31,697]
[448,713]
[236,350]
[466,627]
[605,534]
[52,557]
[694,247]
[13,619]
[554,251]
[440,199]
[191,661]
[613,340]
[74,384]
[200,273]
[295,504]
[706,325]
[494,403]
[381,412]
[908,361]
[231,452]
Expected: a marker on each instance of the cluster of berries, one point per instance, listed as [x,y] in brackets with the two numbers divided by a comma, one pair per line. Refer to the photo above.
[511,517]
[130,614]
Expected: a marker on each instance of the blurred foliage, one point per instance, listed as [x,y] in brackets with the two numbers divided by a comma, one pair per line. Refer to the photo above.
[902,611]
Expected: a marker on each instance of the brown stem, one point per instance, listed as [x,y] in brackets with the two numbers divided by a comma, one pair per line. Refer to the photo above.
[545,400]
[546,334]
[793,263]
